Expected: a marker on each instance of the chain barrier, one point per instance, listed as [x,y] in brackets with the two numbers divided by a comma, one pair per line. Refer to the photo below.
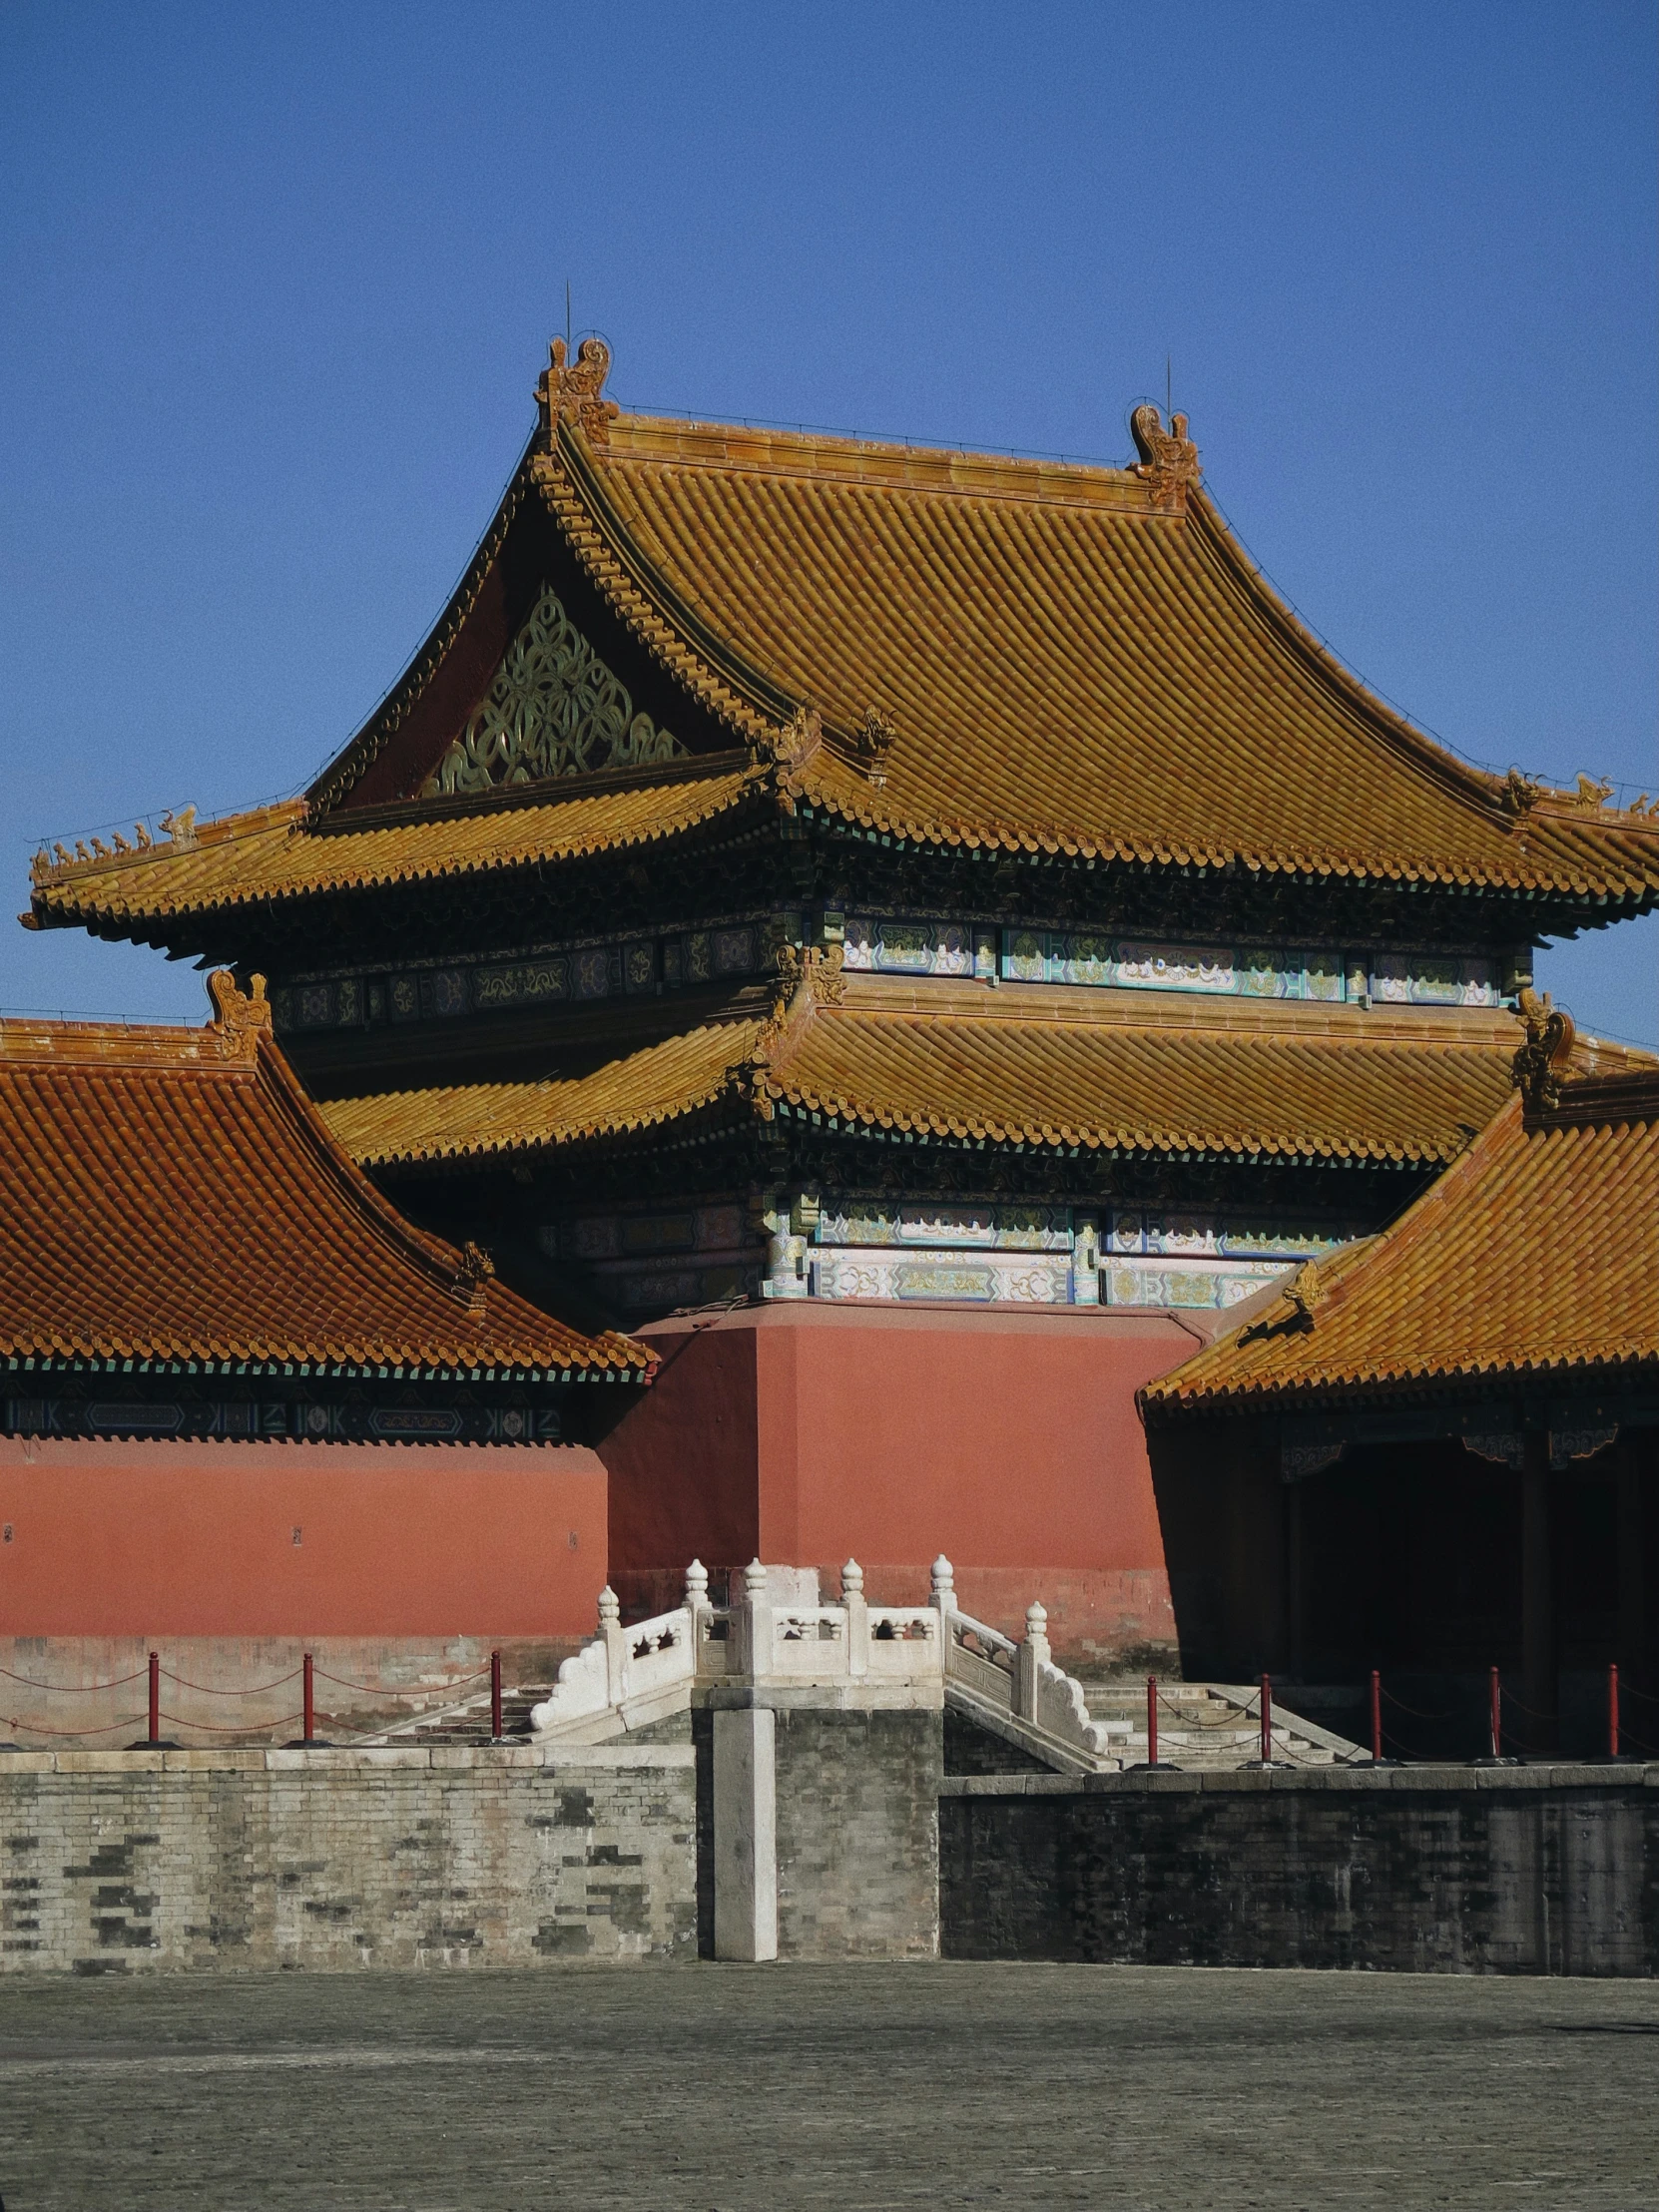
[375,1689]
[34,1728]
[1415,1711]
[254,1689]
[439,1696]
[73,1689]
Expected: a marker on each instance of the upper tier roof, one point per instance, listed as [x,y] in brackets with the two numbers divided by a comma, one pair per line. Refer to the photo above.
[1537,1255]
[949,647]
[173,1196]
[1029,1065]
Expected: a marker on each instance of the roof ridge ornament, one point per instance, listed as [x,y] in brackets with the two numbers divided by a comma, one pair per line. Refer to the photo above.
[472,1279]
[1538,1066]
[871,743]
[1519,793]
[814,968]
[238,1020]
[788,749]
[571,391]
[1169,458]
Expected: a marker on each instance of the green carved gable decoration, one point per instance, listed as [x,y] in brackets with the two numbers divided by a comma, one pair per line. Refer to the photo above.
[552,708]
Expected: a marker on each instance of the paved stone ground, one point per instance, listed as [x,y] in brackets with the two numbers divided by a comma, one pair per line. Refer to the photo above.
[865,2086]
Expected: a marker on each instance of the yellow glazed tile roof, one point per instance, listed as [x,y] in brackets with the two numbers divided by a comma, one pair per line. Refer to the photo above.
[172,1194]
[1070,660]
[1536,1254]
[1067,664]
[1028,1065]
[275,852]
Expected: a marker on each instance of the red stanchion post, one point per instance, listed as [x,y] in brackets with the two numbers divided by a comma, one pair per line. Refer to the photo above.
[154,1697]
[1266,1720]
[1376,1717]
[1152,1720]
[495,1696]
[1612,1711]
[1498,1713]
[311,1700]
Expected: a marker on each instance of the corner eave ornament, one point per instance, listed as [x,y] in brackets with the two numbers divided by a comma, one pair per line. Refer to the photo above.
[1169,458]
[239,1021]
[1540,1064]
[572,392]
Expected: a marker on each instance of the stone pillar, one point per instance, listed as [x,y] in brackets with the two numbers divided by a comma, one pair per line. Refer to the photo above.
[943,1598]
[616,1644]
[1033,1654]
[1539,1595]
[857,1619]
[745,1833]
[753,1623]
[697,1608]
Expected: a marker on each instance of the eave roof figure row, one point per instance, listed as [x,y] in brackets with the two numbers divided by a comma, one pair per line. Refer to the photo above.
[173,1196]
[944,648]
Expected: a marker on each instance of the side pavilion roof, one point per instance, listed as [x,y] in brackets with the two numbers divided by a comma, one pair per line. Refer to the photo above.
[1536,1256]
[946,648]
[1036,1066]
[174,1198]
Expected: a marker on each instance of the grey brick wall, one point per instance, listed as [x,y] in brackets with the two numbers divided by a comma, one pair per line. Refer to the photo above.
[1463,1871]
[858,1833]
[123,1862]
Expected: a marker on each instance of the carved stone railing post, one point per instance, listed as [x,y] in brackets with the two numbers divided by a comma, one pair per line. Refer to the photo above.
[753,1623]
[616,1644]
[857,1619]
[944,1601]
[1034,1657]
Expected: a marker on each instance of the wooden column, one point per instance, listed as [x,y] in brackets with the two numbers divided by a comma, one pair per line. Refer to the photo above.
[1632,1562]
[1293,1577]
[1538,1638]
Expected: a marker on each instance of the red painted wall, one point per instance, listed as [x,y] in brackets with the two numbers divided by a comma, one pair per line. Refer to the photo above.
[197,1539]
[1009,1440]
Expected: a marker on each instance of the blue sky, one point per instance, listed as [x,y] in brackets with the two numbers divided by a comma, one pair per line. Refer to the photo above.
[277,283]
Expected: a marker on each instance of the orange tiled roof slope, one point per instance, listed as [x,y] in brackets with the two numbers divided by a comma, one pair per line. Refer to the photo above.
[1536,1254]
[172,1196]
[1064,659]
[1035,1065]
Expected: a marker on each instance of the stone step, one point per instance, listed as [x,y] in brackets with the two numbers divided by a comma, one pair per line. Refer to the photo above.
[469,1721]
[1206,1725]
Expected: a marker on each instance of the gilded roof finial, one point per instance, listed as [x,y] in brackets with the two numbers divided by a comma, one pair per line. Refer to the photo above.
[1169,458]
[1540,1064]
[571,391]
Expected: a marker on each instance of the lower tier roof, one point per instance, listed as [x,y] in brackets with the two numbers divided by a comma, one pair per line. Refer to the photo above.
[1536,1256]
[172,1196]
[1028,1065]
